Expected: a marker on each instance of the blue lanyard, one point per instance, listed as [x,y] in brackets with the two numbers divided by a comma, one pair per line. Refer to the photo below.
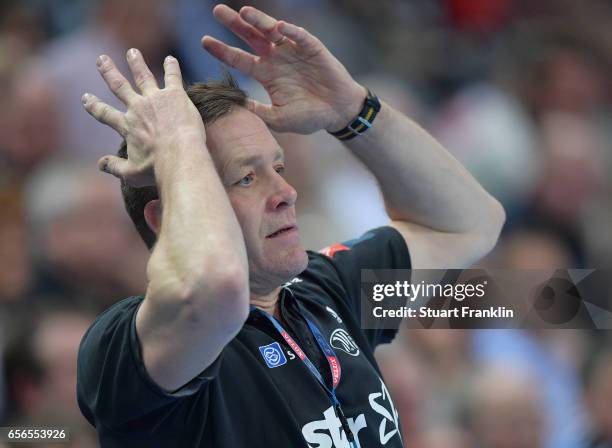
[328,351]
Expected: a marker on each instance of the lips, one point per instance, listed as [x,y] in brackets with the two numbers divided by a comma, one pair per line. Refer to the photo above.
[282,230]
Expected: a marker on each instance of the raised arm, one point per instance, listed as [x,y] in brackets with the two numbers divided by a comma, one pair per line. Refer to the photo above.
[445,216]
[447,219]
[197,297]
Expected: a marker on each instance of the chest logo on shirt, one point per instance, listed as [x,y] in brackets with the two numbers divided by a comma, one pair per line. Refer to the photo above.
[341,340]
[273,355]
[328,432]
[390,414]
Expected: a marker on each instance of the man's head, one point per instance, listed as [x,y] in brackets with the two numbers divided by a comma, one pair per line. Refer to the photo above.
[250,164]
[75,228]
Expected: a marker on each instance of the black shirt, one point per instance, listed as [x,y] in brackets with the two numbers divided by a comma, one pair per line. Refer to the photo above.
[257,393]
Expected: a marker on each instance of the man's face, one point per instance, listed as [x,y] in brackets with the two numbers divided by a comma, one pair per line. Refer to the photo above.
[251,164]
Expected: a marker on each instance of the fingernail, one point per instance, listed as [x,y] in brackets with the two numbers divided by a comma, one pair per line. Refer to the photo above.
[132,53]
[169,58]
[101,60]
[85,98]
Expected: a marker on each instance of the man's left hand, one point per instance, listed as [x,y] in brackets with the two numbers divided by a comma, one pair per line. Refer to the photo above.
[308,87]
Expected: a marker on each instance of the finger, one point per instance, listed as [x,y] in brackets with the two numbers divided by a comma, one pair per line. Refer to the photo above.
[125,170]
[115,81]
[232,56]
[144,79]
[122,169]
[265,24]
[172,73]
[299,35]
[104,113]
[114,165]
[232,20]
[264,111]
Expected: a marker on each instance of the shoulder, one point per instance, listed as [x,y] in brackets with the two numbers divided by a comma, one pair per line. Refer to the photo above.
[110,331]
[121,312]
[340,264]
[103,347]
[380,248]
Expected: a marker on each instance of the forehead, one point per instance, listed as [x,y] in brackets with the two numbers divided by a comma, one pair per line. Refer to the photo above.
[238,137]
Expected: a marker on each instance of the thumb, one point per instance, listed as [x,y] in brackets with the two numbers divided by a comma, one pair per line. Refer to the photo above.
[266,112]
[125,170]
[117,166]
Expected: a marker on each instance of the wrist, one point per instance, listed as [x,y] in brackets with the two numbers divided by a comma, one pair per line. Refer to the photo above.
[185,152]
[349,109]
[185,138]
[362,121]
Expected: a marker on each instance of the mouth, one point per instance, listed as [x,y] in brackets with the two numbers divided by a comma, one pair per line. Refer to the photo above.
[282,231]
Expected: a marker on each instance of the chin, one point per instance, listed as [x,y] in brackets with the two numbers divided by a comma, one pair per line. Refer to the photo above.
[270,273]
[294,263]
[289,265]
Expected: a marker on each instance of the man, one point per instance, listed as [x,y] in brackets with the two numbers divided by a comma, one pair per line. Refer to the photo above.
[244,338]
[76,228]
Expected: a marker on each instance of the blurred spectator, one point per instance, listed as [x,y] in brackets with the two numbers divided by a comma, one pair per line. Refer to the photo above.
[14,275]
[505,409]
[24,22]
[534,247]
[532,133]
[408,384]
[55,80]
[598,395]
[19,147]
[76,229]
[572,173]
[31,128]
[447,436]
[427,372]
[550,358]
[492,135]
[563,70]
[565,86]
[63,16]
[194,19]
[41,370]
[556,377]
[446,357]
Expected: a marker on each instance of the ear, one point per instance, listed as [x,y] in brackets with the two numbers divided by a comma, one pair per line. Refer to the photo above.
[152,215]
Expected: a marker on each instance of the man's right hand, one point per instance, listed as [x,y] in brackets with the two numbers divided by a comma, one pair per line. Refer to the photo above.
[154,118]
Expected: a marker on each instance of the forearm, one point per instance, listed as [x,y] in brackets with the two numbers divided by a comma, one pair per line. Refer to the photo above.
[420,181]
[200,244]
[197,298]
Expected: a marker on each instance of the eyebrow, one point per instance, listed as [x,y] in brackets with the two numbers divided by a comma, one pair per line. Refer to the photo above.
[241,162]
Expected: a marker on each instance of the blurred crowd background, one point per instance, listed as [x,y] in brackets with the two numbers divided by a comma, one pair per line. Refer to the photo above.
[517,90]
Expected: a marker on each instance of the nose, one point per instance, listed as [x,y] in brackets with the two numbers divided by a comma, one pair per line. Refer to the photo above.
[283,194]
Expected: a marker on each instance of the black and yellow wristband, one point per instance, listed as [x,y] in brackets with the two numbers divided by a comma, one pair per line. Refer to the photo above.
[363,122]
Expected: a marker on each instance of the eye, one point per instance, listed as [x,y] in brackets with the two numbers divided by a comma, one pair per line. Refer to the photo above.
[280,169]
[246,180]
